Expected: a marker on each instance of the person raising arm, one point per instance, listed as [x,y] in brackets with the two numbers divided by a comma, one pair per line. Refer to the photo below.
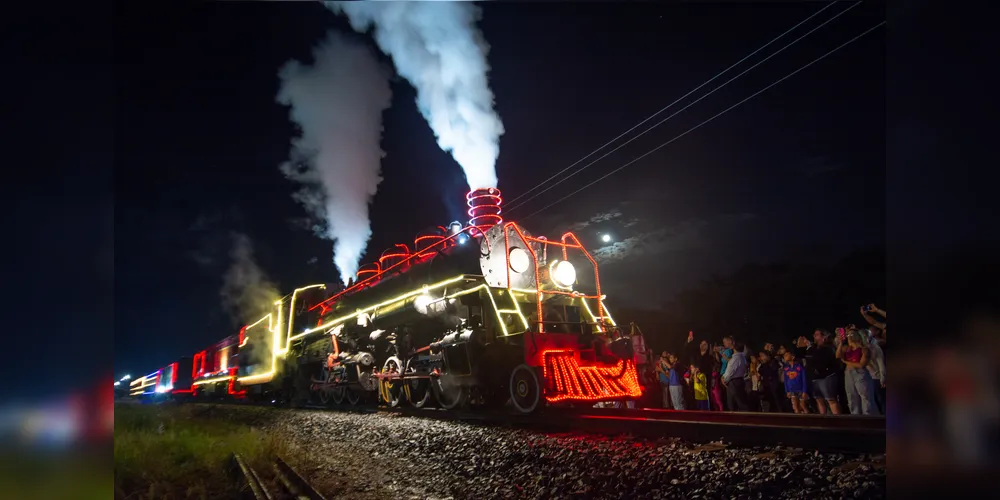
[872,321]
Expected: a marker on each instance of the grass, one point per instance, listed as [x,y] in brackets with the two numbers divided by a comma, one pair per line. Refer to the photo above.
[183,452]
[72,474]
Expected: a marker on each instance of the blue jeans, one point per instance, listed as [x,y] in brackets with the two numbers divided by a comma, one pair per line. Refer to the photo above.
[677,396]
[860,391]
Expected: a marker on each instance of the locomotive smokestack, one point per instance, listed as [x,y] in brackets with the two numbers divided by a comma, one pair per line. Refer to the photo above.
[484,209]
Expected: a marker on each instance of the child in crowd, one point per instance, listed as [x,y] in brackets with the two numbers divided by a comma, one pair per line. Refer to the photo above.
[676,385]
[794,375]
[699,383]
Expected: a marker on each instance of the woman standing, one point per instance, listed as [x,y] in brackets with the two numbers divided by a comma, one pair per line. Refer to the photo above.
[857,380]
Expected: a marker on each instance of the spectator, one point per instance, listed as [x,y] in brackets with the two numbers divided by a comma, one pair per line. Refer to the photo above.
[857,380]
[872,321]
[769,348]
[794,376]
[706,358]
[780,356]
[676,386]
[876,367]
[699,384]
[822,368]
[734,378]
[726,352]
[769,370]
[663,374]
[715,383]
[699,353]
[754,387]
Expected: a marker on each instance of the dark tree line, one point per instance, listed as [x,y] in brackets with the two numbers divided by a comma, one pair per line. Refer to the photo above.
[767,303]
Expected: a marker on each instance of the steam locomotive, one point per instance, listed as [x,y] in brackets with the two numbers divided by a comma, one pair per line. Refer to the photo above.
[476,314]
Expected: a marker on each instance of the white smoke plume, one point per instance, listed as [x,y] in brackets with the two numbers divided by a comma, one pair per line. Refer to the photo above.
[437,47]
[246,292]
[337,104]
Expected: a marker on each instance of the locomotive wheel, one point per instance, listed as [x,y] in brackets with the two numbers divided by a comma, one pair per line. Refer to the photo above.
[337,394]
[418,390]
[449,396]
[353,396]
[326,392]
[392,391]
[525,391]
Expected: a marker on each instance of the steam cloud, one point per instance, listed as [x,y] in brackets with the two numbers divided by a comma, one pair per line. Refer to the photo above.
[246,292]
[438,49]
[337,103]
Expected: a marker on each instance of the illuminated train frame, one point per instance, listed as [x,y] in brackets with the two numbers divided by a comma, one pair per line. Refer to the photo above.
[551,366]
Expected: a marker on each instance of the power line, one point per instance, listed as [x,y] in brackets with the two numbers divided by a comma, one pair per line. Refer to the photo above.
[650,117]
[696,101]
[814,61]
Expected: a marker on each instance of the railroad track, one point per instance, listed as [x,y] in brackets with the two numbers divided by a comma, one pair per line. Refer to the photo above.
[841,433]
[282,482]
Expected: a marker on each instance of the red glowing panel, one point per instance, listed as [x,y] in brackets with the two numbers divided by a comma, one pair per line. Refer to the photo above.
[570,381]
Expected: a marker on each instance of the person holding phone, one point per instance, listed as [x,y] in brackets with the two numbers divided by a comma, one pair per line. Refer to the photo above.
[857,380]
[871,308]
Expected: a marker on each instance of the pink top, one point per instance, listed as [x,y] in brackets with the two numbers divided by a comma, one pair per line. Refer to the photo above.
[852,355]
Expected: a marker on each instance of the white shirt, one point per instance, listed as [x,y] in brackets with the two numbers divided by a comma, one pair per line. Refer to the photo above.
[737,367]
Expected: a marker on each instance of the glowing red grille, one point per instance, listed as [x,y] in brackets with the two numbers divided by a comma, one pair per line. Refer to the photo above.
[568,380]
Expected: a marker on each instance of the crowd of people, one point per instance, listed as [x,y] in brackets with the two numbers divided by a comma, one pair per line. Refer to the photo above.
[835,372]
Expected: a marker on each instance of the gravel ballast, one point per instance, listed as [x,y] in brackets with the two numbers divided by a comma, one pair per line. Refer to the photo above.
[393,456]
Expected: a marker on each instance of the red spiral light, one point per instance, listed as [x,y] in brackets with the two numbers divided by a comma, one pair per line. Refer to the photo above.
[484,208]
[368,270]
[398,253]
[426,239]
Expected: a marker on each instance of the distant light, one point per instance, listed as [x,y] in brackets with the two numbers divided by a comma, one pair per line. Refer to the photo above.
[462,239]
[117,384]
[606,238]
[126,377]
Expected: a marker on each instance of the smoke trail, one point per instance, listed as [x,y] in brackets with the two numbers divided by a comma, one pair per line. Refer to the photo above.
[337,103]
[246,292]
[438,49]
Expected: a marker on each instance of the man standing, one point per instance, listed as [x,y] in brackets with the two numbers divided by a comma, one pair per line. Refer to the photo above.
[733,378]
[822,369]
[663,374]
[725,353]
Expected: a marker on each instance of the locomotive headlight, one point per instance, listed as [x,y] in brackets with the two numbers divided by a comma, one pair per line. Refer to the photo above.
[519,260]
[563,273]
[421,303]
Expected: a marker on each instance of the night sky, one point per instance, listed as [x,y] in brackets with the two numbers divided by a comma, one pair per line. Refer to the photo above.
[199,138]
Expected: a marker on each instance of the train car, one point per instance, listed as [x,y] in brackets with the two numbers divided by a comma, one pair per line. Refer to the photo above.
[476,314]
[214,369]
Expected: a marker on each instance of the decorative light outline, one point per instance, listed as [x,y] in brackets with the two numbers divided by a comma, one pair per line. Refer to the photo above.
[268,375]
[588,383]
[361,284]
[291,314]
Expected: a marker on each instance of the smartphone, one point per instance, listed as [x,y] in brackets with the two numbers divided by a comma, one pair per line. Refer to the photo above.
[868,308]
[841,333]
